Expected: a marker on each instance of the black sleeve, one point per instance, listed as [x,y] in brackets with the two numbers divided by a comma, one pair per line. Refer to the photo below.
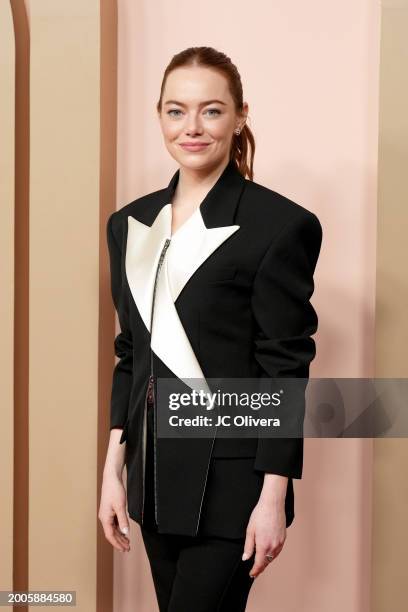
[285,321]
[123,346]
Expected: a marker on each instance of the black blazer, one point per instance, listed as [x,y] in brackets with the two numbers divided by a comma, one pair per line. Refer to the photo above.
[242,309]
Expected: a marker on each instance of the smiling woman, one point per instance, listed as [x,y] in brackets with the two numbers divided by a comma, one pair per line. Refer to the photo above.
[211,277]
[201,129]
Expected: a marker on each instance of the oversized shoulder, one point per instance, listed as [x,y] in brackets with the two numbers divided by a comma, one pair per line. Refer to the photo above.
[139,208]
[267,212]
[274,215]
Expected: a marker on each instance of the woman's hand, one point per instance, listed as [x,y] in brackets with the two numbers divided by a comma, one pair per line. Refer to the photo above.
[266,530]
[112,509]
[112,512]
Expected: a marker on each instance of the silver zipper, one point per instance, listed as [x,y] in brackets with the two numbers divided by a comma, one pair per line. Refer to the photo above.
[150,395]
[205,483]
[150,390]
[144,453]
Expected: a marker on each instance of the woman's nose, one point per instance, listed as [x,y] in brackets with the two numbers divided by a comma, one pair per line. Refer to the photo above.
[193,126]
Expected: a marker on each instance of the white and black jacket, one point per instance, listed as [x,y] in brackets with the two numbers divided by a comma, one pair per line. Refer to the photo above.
[239,308]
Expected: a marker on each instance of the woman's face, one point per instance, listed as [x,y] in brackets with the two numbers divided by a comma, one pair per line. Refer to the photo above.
[198,110]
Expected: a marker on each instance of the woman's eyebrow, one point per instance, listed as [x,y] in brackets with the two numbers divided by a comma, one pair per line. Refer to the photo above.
[201,103]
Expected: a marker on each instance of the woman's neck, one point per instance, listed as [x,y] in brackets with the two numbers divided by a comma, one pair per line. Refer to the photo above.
[193,186]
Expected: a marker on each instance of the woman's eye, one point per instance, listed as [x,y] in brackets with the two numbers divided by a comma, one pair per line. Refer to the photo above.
[214,110]
[209,110]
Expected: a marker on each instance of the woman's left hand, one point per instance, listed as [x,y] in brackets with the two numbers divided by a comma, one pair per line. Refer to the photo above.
[265,533]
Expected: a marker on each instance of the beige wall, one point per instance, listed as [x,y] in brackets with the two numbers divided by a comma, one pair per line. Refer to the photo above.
[390,499]
[64,298]
[329,123]
[7,197]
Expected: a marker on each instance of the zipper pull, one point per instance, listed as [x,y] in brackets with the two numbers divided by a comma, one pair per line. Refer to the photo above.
[150,394]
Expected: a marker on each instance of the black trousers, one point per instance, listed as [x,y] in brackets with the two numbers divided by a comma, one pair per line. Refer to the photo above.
[193,573]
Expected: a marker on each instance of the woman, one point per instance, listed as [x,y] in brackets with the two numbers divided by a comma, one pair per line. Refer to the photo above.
[211,277]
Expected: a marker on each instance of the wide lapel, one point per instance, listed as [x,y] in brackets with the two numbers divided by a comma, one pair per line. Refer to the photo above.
[207,230]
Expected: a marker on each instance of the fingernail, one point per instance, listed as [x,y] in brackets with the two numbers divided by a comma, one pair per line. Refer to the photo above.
[245,556]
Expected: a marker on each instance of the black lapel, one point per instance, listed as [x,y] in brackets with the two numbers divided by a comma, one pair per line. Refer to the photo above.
[218,209]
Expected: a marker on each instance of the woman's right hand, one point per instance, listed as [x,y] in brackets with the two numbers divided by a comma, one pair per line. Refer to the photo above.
[112,512]
[112,509]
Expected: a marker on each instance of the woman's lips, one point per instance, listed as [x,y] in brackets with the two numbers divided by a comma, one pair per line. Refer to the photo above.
[194,147]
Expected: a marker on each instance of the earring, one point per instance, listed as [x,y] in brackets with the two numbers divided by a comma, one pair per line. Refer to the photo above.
[237,131]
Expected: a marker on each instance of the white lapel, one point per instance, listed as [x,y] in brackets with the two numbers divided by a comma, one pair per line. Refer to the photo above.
[193,244]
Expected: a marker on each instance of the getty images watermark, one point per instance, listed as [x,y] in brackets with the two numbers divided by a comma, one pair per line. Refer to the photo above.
[282,407]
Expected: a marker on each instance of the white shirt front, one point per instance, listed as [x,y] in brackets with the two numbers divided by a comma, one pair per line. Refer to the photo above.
[185,247]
